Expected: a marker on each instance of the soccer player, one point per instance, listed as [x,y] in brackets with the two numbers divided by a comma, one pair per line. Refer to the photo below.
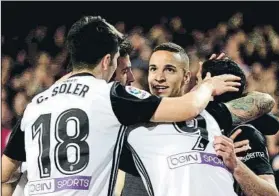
[73,131]
[255,176]
[123,72]
[125,76]
[179,158]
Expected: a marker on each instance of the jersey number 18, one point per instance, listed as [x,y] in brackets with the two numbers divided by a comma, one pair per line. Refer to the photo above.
[63,161]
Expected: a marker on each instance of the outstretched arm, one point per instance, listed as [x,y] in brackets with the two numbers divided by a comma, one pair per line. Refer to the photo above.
[250,107]
[191,104]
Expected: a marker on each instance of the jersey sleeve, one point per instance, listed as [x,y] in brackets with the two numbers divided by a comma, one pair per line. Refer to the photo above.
[15,147]
[257,158]
[267,124]
[131,105]
[221,114]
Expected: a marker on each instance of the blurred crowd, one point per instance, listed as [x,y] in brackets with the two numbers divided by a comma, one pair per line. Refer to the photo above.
[32,63]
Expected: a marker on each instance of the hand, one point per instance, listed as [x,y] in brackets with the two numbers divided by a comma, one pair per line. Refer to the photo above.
[222,83]
[213,56]
[224,148]
[241,146]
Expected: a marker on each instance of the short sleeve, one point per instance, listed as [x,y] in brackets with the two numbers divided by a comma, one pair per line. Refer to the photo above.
[267,124]
[15,148]
[131,105]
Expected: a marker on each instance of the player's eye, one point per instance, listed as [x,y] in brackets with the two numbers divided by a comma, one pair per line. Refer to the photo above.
[170,70]
[152,69]
[125,71]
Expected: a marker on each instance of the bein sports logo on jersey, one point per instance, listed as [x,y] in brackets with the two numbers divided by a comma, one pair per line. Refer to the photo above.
[59,184]
[187,158]
[137,92]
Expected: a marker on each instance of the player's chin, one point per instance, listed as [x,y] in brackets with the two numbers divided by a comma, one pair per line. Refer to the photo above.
[160,93]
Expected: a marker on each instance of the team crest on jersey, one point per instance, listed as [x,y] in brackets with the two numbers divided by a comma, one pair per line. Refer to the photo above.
[191,123]
[137,92]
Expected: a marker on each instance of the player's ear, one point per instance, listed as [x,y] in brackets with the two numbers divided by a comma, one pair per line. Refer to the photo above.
[106,60]
[187,77]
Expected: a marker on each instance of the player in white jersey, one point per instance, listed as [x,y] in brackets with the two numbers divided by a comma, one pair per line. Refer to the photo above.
[73,131]
[123,74]
[184,158]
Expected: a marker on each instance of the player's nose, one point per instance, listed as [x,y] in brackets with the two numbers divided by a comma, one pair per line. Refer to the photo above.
[130,77]
[160,77]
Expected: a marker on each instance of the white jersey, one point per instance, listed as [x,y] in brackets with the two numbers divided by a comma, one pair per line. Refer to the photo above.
[179,158]
[73,134]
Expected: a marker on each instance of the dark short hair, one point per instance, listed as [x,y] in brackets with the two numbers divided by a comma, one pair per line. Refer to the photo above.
[225,66]
[125,48]
[172,47]
[90,39]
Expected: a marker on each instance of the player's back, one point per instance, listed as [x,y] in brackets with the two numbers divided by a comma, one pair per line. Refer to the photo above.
[72,139]
[179,159]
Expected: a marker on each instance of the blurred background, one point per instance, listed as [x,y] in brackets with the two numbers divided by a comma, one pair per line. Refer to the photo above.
[33,53]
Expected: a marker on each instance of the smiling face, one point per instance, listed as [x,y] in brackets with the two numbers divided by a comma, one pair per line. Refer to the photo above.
[167,75]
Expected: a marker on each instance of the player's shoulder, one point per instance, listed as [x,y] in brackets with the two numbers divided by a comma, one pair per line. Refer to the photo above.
[119,90]
[86,79]
[36,99]
[32,105]
[94,84]
[251,133]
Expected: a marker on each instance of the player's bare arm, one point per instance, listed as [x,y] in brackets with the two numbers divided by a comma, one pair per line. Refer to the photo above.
[9,166]
[191,104]
[252,184]
[250,107]
[7,189]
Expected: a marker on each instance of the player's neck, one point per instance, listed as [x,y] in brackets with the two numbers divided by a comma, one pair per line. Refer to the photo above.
[95,72]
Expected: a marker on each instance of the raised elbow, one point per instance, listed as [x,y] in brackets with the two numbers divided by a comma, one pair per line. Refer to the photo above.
[269,102]
[263,101]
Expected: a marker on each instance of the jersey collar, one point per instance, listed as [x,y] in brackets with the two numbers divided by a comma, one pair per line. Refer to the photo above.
[82,74]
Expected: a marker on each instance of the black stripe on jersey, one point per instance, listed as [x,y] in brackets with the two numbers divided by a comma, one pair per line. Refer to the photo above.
[142,170]
[116,158]
[176,128]
[201,121]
